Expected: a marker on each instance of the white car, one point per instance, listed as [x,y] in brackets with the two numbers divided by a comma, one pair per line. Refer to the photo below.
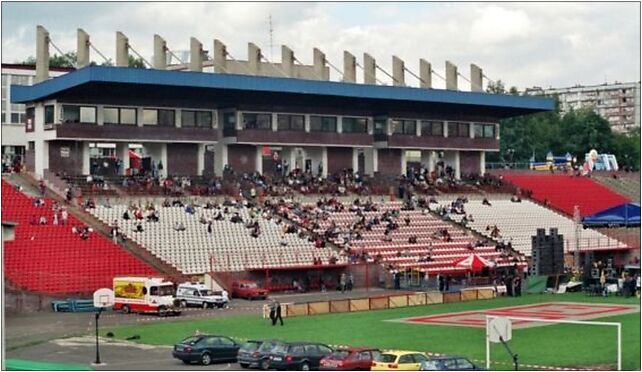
[196,294]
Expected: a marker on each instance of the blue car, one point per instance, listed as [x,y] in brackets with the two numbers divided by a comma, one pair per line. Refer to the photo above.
[449,363]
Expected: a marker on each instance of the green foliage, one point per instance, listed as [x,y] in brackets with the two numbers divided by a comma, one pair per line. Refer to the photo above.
[65,60]
[136,62]
[576,132]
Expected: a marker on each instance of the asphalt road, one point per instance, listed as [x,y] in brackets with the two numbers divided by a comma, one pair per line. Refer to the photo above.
[69,337]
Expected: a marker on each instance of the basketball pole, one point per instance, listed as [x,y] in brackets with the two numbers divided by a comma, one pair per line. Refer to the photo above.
[487,344]
[100,310]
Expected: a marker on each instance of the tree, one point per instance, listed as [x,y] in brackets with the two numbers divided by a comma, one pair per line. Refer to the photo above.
[65,60]
[498,87]
[136,62]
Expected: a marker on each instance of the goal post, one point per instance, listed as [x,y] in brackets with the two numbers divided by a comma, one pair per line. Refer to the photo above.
[492,335]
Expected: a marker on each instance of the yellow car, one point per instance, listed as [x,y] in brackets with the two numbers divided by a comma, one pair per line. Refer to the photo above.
[396,360]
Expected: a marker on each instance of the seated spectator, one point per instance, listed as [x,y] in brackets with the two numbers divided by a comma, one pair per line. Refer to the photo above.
[166,203]
[126,216]
[218,215]
[179,226]
[407,220]
[138,227]
[202,219]
[236,218]
[42,220]
[515,199]
[153,216]
[412,239]
[256,232]
[189,209]
[284,241]
[486,202]
[332,260]
[138,214]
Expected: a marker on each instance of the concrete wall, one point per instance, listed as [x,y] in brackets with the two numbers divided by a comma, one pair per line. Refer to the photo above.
[242,158]
[389,161]
[469,161]
[182,158]
[71,164]
[339,158]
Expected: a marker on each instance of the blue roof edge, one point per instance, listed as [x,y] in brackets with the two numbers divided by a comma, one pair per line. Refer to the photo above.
[108,74]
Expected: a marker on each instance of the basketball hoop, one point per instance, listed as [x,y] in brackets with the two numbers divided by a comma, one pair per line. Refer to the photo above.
[103,298]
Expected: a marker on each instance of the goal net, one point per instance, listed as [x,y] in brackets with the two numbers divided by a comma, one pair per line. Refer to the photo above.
[547,344]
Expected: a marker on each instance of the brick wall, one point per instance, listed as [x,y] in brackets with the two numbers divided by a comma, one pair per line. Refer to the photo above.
[71,163]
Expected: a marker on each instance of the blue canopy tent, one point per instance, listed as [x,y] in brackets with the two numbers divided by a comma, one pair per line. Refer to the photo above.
[621,215]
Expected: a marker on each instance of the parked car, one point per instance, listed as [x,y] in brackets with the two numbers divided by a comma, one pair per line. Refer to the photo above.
[206,349]
[302,356]
[248,289]
[395,360]
[196,294]
[255,354]
[349,359]
[449,363]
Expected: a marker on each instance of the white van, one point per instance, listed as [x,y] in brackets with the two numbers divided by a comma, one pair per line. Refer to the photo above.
[198,294]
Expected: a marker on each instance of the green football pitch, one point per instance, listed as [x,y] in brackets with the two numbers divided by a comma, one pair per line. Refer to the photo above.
[553,345]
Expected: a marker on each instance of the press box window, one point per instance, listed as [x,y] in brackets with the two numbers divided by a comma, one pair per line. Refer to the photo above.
[291,122]
[432,128]
[78,114]
[128,116]
[323,124]
[257,121]
[150,117]
[49,114]
[404,127]
[456,129]
[354,125]
[484,130]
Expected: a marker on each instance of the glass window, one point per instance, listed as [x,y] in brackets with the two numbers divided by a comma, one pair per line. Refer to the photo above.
[291,122]
[386,358]
[311,349]
[324,350]
[110,115]
[404,359]
[323,124]
[464,364]
[166,118]
[49,114]
[204,119]
[88,115]
[188,119]
[226,341]
[450,364]
[464,130]
[70,114]
[479,130]
[257,121]
[432,128]
[489,130]
[404,126]
[354,125]
[419,358]
[297,350]
[15,117]
[127,116]
[456,129]
[150,117]
[380,126]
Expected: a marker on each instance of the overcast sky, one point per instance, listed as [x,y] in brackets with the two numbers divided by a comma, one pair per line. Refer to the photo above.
[524,44]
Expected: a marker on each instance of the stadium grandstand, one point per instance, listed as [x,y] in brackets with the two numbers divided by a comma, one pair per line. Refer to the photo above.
[262,168]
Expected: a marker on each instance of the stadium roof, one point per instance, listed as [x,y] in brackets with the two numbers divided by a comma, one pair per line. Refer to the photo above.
[198,85]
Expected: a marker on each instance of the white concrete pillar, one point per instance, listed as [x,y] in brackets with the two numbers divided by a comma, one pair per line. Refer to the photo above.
[122,152]
[445,129]
[275,122]
[369,69]
[425,73]
[349,67]
[428,159]
[306,123]
[163,158]
[471,130]
[139,116]
[160,53]
[200,159]
[220,158]
[253,58]
[259,159]
[404,163]
[41,158]
[418,127]
[456,166]
[100,115]
[42,54]
[339,124]
[476,78]
[324,161]
[320,72]
[195,55]
[291,159]
[220,56]
[355,159]
[122,50]
[451,76]
[398,71]
[82,48]
[497,132]
[287,60]
[482,163]
[178,116]
[85,157]
[369,160]
[375,160]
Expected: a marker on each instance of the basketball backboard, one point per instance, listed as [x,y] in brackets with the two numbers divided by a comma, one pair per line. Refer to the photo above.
[103,297]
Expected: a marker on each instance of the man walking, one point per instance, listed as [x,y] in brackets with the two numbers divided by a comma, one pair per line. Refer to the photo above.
[275,312]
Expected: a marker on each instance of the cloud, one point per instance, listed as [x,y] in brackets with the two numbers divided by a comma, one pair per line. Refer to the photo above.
[524,44]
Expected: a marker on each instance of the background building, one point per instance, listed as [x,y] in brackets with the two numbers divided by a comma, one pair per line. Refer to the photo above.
[13,114]
[618,103]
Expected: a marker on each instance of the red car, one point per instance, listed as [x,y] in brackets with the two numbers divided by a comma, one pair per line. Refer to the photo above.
[349,359]
[248,289]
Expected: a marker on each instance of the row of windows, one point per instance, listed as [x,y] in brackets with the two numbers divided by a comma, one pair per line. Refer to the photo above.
[128,116]
[484,131]
[431,128]
[289,122]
